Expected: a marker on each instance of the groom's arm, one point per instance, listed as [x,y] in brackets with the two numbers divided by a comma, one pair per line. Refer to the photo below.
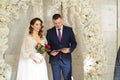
[72,41]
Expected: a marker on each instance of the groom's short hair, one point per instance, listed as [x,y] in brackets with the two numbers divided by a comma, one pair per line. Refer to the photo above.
[56,16]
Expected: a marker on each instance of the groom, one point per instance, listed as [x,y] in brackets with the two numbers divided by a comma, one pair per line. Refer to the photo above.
[62,41]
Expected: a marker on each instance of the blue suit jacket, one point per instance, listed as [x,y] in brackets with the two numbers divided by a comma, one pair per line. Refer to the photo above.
[117,66]
[68,41]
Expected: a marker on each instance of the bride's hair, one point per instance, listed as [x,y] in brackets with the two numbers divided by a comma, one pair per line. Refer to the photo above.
[32,22]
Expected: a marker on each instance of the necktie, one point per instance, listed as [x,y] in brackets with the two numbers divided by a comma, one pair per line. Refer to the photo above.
[59,34]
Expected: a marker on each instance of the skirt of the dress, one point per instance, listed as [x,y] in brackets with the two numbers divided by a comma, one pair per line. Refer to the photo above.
[29,70]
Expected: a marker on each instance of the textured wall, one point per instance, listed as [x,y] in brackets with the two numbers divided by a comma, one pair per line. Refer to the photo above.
[119,22]
[107,9]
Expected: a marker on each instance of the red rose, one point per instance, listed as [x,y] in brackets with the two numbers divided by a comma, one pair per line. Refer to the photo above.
[42,48]
[47,46]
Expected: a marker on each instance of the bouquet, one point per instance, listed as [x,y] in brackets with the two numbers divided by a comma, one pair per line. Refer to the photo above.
[42,48]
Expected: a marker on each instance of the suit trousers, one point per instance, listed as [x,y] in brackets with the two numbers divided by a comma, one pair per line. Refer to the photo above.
[65,68]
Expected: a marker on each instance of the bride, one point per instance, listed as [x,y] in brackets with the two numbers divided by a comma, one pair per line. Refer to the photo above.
[32,65]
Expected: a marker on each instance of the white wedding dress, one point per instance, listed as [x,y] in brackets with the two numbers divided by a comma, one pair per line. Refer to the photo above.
[27,68]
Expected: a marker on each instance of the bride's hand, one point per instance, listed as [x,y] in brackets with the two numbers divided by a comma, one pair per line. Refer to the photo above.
[37,60]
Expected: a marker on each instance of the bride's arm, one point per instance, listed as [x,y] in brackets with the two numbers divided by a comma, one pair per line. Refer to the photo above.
[27,51]
[35,58]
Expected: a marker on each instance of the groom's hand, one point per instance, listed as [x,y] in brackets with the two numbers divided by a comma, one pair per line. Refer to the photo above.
[54,52]
[65,50]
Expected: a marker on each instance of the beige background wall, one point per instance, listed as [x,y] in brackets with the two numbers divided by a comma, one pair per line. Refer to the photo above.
[118,22]
[106,10]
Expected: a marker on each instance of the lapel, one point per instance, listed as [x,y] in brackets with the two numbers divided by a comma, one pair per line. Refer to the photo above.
[55,34]
[63,34]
